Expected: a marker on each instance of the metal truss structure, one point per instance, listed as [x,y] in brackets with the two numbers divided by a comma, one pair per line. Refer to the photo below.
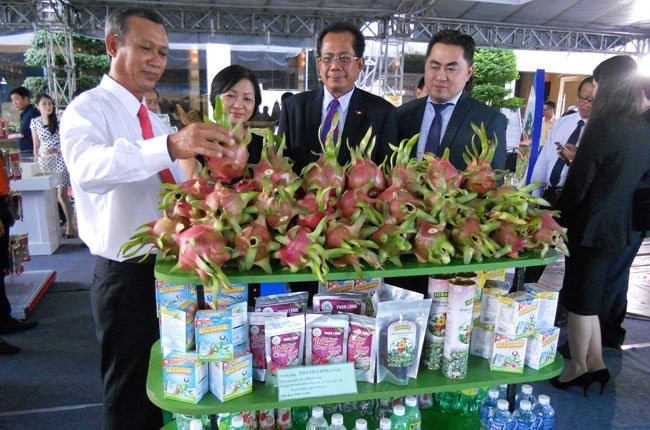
[410,21]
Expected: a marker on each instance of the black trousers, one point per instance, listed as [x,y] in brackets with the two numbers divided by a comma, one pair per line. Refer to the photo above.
[124,309]
[7,221]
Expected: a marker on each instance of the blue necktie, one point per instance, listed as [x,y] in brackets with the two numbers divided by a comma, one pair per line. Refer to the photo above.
[554,179]
[327,123]
[434,136]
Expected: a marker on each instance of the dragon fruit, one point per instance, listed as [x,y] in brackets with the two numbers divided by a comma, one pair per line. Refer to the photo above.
[273,166]
[440,172]
[362,172]
[431,244]
[254,245]
[394,241]
[544,231]
[278,205]
[472,239]
[326,171]
[403,171]
[229,205]
[479,177]
[316,206]
[348,235]
[510,238]
[160,234]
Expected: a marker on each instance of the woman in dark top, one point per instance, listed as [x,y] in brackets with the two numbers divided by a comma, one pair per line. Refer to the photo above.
[595,206]
[240,93]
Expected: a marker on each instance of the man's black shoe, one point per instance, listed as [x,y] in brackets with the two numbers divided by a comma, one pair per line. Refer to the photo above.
[7,348]
[13,325]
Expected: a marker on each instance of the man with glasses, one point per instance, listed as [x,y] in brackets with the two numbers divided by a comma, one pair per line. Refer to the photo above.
[340,60]
[444,118]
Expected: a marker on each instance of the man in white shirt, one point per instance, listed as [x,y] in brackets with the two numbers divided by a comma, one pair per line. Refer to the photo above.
[548,120]
[114,166]
[564,127]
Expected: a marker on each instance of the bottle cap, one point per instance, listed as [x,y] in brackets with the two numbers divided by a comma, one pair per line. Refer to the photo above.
[237,421]
[493,393]
[317,411]
[337,419]
[398,410]
[196,424]
[524,405]
[543,399]
[361,424]
[384,424]
[411,401]
[527,389]
[502,404]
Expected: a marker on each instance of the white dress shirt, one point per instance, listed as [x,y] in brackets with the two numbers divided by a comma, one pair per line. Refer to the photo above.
[560,132]
[427,119]
[113,171]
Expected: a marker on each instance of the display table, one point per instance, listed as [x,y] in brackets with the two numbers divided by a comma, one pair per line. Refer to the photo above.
[266,396]
[40,212]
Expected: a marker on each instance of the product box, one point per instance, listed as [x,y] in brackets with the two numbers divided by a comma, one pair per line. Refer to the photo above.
[482,340]
[216,334]
[492,290]
[167,293]
[508,355]
[517,315]
[548,299]
[368,285]
[184,377]
[177,325]
[238,293]
[542,348]
[346,286]
[233,378]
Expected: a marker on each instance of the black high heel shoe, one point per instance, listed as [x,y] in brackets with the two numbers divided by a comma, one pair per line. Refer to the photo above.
[583,380]
[601,376]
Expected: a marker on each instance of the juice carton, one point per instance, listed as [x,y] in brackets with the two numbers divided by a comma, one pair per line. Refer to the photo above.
[233,378]
[517,315]
[166,293]
[177,325]
[492,290]
[548,299]
[482,340]
[184,377]
[216,335]
[508,355]
[542,347]
[336,286]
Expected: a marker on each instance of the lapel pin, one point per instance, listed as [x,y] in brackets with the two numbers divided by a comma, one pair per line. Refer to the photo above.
[358,112]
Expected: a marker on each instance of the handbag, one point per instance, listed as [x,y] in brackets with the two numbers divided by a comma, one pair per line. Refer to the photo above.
[641,209]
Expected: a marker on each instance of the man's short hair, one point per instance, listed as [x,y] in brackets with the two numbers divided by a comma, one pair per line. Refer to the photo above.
[550,103]
[455,37]
[118,21]
[587,80]
[421,83]
[22,92]
[359,44]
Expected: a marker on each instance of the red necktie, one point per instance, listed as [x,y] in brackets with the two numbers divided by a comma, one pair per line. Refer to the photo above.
[147,132]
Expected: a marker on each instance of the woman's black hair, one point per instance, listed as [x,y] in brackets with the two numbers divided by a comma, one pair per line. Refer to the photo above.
[229,77]
[52,119]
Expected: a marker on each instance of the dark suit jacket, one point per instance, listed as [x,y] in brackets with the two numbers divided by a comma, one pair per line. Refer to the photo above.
[458,134]
[301,117]
[596,201]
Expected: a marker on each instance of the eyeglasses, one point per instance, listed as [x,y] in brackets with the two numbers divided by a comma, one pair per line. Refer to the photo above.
[343,59]
[585,100]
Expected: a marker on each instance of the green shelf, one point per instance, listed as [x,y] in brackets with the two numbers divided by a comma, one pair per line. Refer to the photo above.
[266,397]
[165,270]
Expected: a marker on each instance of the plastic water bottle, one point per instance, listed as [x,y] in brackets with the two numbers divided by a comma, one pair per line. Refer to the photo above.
[500,418]
[448,401]
[384,424]
[360,424]
[299,416]
[523,418]
[349,412]
[412,413]
[544,413]
[503,391]
[196,424]
[236,422]
[383,409]
[317,420]
[487,406]
[526,393]
[425,401]
[366,409]
[467,401]
[399,421]
[337,422]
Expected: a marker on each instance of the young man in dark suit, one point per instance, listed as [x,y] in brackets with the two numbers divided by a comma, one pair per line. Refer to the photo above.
[448,68]
[340,60]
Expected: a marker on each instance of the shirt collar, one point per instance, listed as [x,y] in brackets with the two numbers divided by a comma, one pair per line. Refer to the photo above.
[124,96]
[452,101]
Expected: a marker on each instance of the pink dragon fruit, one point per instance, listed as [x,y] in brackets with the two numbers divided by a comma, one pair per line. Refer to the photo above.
[431,244]
[326,171]
[479,177]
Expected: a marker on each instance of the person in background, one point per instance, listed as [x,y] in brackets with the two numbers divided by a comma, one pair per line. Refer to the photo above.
[570,110]
[152,101]
[47,152]
[21,99]
[596,208]
[449,66]
[8,324]
[340,50]
[118,154]
[240,93]
[548,120]
[421,91]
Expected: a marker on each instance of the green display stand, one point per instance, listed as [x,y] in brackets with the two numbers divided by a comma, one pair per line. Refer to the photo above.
[165,270]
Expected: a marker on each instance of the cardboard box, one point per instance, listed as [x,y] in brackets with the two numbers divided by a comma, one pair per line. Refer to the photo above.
[233,378]
[517,315]
[177,325]
[167,293]
[482,340]
[542,348]
[508,355]
[184,377]
[548,299]
[217,334]
[492,290]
